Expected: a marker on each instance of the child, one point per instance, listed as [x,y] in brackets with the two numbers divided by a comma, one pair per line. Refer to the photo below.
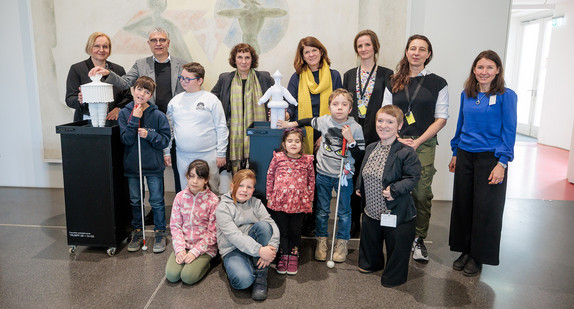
[290,189]
[333,129]
[139,118]
[247,237]
[198,124]
[192,226]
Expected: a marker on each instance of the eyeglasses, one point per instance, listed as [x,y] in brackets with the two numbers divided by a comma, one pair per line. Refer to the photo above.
[162,40]
[187,79]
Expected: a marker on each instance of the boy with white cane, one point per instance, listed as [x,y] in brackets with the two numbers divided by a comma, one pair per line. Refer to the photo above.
[145,132]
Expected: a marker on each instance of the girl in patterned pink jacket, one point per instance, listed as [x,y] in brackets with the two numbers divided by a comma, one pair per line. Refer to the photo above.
[290,190]
[192,227]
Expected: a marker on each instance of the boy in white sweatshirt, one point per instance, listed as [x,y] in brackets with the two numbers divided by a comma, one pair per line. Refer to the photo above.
[197,123]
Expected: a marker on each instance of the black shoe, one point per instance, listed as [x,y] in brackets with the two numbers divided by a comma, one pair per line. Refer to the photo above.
[148,220]
[472,267]
[461,261]
[259,290]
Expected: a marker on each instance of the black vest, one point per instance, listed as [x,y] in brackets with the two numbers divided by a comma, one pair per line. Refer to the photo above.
[423,106]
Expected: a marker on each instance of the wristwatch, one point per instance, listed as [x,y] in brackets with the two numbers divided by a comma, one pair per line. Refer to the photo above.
[503,165]
[353,144]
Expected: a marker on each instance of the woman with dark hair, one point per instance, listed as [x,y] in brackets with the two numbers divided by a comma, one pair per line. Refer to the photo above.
[481,149]
[239,91]
[367,82]
[99,47]
[423,98]
[311,85]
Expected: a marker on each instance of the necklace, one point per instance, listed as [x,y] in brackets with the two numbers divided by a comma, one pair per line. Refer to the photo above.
[480,98]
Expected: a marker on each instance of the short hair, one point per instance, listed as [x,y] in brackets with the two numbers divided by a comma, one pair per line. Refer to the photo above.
[392,110]
[201,169]
[92,41]
[471,87]
[195,68]
[343,92]
[374,40]
[299,64]
[145,82]
[238,178]
[160,30]
[291,131]
[243,48]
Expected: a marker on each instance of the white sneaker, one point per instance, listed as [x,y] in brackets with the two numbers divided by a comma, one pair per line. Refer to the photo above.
[420,252]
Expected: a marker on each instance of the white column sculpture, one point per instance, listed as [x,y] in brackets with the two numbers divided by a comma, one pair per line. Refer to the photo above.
[97,95]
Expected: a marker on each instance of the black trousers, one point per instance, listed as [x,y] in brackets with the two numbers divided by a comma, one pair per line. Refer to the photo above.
[477,207]
[398,242]
[289,230]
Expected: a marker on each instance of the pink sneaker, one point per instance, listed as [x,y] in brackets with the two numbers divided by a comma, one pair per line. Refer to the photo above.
[283,264]
[293,265]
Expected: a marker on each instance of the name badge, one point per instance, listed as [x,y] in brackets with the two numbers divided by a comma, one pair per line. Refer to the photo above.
[492,100]
[388,220]
[362,109]
[410,118]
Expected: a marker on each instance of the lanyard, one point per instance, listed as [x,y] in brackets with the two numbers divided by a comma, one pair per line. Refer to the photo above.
[361,88]
[414,94]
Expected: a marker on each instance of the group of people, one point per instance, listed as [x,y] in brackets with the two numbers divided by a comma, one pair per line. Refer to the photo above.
[371,135]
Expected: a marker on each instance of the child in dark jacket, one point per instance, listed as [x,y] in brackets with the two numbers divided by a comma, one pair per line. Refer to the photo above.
[141,120]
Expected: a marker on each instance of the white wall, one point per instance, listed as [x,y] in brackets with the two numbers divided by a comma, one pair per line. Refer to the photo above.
[21,162]
[557,116]
[458,31]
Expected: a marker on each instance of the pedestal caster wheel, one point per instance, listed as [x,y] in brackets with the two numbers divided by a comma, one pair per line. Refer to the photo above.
[72,249]
[111,251]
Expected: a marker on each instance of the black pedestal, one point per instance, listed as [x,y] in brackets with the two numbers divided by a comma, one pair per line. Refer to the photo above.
[96,192]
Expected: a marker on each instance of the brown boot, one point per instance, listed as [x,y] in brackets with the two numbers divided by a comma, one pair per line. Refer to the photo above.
[321,249]
[340,254]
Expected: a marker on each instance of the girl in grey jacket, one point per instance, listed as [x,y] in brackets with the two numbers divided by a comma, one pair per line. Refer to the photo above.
[247,237]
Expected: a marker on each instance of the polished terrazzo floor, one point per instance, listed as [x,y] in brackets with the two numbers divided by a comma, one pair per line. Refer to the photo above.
[36,270]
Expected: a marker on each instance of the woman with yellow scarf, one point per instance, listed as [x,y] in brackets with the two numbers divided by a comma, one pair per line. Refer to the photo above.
[311,85]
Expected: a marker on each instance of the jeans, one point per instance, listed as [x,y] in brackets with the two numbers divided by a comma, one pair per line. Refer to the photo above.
[324,186]
[240,267]
[155,186]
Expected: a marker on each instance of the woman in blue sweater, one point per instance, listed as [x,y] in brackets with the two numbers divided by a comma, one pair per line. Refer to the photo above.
[482,147]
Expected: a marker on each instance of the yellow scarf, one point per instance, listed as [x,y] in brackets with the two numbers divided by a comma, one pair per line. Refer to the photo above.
[307,86]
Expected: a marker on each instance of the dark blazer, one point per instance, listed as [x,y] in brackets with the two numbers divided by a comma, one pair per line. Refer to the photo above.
[402,172]
[78,75]
[222,89]
[375,102]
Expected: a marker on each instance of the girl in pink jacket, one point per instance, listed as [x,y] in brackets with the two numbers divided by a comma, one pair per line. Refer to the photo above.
[192,227]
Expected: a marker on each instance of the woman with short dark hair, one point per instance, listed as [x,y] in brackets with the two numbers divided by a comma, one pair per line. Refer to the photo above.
[239,91]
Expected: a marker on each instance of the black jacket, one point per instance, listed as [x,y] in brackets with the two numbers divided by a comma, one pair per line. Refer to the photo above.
[78,75]
[222,89]
[402,172]
[375,102]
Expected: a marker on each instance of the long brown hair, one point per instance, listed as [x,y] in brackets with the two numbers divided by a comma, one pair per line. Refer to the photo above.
[299,64]
[238,178]
[401,79]
[471,87]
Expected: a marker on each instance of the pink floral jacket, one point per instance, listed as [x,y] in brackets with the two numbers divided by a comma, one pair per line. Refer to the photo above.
[192,222]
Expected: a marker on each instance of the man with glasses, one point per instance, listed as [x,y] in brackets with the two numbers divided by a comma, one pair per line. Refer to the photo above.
[197,122]
[163,69]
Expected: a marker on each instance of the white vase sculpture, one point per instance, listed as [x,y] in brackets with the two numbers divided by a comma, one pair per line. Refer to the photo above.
[97,95]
